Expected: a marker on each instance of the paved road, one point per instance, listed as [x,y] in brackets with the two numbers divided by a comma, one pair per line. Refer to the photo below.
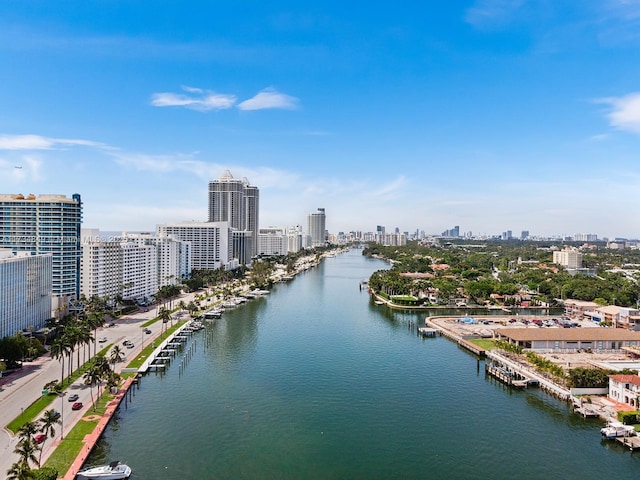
[21,389]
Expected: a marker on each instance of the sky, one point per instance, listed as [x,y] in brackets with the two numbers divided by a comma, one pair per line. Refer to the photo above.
[492,115]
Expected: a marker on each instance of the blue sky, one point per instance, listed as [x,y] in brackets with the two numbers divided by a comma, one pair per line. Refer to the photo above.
[490,114]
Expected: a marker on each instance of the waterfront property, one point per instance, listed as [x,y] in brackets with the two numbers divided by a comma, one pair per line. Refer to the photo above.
[569,339]
[625,389]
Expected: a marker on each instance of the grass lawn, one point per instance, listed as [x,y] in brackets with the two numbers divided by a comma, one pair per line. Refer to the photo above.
[32,411]
[484,343]
[69,448]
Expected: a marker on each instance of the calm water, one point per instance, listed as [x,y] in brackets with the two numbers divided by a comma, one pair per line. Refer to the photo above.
[315,381]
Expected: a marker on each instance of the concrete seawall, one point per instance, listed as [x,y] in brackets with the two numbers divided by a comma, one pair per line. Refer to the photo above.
[92,438]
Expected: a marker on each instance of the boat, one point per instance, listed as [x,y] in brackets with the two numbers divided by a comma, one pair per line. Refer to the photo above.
[378,302]
[617,429]
[113,471]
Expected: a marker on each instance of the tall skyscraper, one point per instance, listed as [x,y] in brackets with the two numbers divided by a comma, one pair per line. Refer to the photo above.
[46,224]
[238,203]
[316,226]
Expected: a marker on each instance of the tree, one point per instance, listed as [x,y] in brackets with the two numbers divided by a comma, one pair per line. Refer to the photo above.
[60,348]
[116,356]
[20,471]
[27,448]
[165,316]
[92,376]
[47,424]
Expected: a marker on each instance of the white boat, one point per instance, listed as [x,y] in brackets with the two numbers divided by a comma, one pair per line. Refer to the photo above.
[617,429]
[113,471]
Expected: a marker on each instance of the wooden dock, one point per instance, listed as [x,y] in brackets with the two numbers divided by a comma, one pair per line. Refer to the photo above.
[427,332]
[467,345]
[632,442]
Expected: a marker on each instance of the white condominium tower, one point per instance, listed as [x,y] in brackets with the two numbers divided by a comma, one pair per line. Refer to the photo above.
[46,224]
[210,243]
[236,202]
[316,225]
[25,291]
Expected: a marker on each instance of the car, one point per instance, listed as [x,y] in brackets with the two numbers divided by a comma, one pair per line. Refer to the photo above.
[102,339]
[112,324]
[147,331]
[41,437]
[126,343]
[55,415]
[73,398]
[130,345]
[76,406]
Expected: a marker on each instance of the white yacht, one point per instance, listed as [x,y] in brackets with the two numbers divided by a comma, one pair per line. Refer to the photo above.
[113,471]
[617,429]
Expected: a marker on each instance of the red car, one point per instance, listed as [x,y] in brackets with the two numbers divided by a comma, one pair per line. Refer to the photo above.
[76,406]
[41,437]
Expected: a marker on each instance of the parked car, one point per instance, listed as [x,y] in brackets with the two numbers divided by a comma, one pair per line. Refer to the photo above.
[112,324]
[73,397]
[102,339]
[76,406]
[41,437]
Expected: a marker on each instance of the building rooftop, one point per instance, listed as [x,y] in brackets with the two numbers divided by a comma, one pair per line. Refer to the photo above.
[568,334]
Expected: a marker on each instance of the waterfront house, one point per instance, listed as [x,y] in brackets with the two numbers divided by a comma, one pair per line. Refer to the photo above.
[569,339]
[577,308]
[625,389]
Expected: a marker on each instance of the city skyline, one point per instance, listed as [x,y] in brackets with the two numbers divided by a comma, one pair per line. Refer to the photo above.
[487,114]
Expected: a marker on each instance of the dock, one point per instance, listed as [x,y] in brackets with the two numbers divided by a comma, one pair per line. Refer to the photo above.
[467,345]
[632,442]
[508,376]
[427,332]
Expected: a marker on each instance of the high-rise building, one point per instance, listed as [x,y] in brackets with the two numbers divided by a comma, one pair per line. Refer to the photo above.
[316,228]
[272,241]
[211,243]
[570,258]
[237,203]
[46,224]
[25,291]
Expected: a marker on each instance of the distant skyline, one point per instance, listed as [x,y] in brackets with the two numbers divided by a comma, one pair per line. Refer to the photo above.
[493,115]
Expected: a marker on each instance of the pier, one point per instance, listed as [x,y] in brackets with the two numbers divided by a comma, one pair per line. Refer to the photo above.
[508,376]
[631,442]
[467,345]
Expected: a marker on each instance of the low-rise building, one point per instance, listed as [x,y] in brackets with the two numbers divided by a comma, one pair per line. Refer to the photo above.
[569,339]
[625,389]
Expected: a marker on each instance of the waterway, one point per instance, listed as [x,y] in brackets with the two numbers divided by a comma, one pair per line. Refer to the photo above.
[315,381]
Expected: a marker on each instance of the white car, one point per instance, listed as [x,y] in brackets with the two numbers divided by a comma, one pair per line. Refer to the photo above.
[102,339]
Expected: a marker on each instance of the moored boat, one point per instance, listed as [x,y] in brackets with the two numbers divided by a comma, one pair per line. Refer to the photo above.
[617,429]
[113,471]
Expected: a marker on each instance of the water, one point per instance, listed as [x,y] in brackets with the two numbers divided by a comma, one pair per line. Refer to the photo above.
[317,382]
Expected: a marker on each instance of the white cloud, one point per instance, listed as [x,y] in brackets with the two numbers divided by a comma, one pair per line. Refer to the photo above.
[625,112]
[198,99]
[269,98]
[38,142]
[485,12]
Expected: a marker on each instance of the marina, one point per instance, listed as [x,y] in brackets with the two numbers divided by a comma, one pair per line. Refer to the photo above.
[319,382]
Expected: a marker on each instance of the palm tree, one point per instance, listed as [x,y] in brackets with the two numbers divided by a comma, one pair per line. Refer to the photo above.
[164,315]
[95,320]
[49,419]
[84,338]
[58,352]
[117,355]
[20,471]
[92,376]
[26,449]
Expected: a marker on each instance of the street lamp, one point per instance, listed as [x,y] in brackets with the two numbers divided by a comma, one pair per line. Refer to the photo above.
[61,395]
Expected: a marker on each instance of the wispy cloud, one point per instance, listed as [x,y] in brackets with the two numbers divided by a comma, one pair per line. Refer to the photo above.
[37,142]
[625,112]
[205,100]
[195,98]
[269,98]
[485,12]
